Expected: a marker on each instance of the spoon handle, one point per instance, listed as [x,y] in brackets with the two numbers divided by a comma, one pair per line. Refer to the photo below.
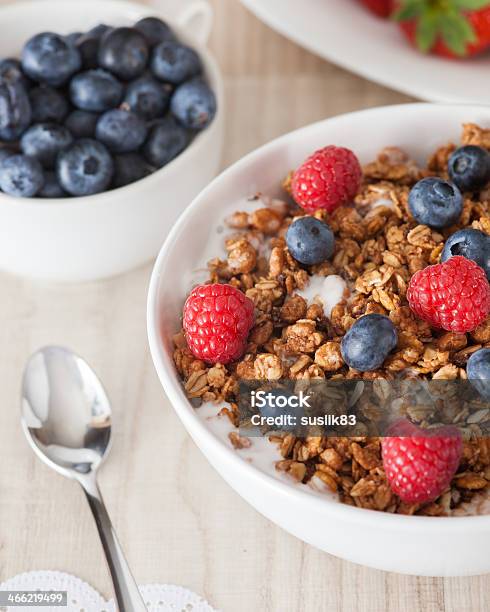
[128,597]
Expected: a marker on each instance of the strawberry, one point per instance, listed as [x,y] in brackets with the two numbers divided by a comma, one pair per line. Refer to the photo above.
[451,28]
[382,8]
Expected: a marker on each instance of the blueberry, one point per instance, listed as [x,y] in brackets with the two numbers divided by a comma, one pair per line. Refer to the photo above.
[154,30]
[368,342]
[310,241]
[48,104]
[124,51]
[12,68]
[99,30]
[129,168]
[82,123]
[470,243]
[88,46]
[175,63]
[21,176]
[51,187]
[121,131]
[478,371]
[95,90]
[6,152]
[44,141]
[49,58]
[277,404]
[194,104]
[85,168]
[73,37]
[167,139]
[469,168]
[435,202]
[147,97]
[15,109]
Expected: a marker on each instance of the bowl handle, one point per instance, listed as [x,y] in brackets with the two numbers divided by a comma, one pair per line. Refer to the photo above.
[193,16]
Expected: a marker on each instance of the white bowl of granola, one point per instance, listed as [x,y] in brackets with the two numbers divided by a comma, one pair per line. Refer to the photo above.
[450,537]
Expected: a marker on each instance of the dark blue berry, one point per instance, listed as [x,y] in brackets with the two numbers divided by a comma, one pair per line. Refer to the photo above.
[310,241]
[469,168]
[129,168]
[175,63]
[121,131]
[124,52]
[49,58]
[6,152]
[99,30]
[85,168]
[154,30]
[12,69]
[368,342]
[44,141]
[470,243]
[478,371]
[21,176]
[147,97]
[73,37]
[167,139]
[435,202]
[96,91]
[88,46]
[277,404]
[48,104]
[15,109]
[82,123]
[51,187]
[194,104]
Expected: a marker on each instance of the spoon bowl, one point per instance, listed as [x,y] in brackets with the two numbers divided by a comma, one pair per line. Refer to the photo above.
[65,412]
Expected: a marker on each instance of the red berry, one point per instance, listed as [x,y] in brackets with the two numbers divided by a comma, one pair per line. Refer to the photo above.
[454,295]
[382,8]
[217,320]
[419,464]
[328,178]
[429,32]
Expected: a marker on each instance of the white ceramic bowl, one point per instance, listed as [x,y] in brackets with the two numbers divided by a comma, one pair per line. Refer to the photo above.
[407,544]
[87,238]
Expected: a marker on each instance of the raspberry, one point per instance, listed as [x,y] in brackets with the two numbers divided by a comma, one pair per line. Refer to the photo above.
[217,320]
[419,464]
[454,295]
[328,178]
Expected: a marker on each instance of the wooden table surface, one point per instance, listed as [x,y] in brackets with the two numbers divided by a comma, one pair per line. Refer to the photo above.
[178,521]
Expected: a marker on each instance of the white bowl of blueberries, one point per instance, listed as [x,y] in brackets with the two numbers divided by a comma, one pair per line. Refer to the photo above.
[109,126]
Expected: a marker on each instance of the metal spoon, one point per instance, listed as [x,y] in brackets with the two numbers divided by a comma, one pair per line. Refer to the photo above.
[66,417]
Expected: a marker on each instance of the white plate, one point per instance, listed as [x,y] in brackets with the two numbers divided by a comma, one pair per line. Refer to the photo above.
[344,32]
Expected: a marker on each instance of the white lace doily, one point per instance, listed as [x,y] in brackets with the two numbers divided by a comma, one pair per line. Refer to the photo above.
[83,598]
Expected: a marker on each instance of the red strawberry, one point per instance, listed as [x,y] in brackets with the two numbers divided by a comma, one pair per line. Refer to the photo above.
[420,463]
[382,8]
[451,28]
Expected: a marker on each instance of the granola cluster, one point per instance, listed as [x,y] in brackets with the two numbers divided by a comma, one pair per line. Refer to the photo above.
[378,248]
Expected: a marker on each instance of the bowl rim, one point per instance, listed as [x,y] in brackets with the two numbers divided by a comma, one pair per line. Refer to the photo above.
[173,388]
[213,74]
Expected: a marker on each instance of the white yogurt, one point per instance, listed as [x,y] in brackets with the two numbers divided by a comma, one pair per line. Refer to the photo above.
[262,454]
[327,291]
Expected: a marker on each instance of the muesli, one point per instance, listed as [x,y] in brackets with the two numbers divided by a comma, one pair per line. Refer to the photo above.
[299,303]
